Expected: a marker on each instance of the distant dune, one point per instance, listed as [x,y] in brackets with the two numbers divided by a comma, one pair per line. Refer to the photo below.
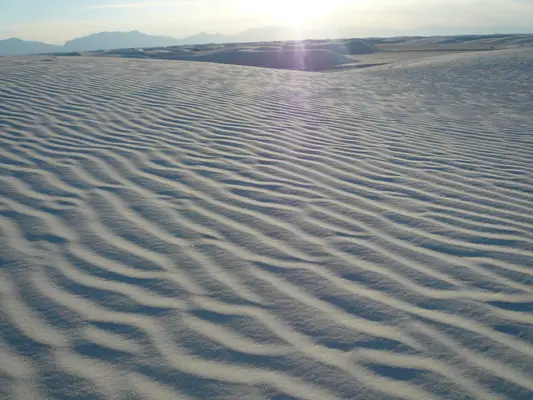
[322,55]
[358,46]
[188,230]
[304,59]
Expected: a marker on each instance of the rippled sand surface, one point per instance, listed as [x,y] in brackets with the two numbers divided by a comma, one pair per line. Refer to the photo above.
[174,230]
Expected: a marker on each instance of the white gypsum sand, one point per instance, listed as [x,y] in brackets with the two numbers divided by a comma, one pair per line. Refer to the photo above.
[175,230]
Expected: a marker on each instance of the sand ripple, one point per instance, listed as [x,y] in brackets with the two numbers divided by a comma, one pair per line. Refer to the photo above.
[183,230]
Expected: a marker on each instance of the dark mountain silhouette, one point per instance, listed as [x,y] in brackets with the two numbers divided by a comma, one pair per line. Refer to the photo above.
[136,39]
[432,30]
[118,40]
[107,41]
[205,38]
[266,33]
[15,47]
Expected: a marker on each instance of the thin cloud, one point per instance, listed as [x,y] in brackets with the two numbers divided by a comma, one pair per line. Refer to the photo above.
[137,5]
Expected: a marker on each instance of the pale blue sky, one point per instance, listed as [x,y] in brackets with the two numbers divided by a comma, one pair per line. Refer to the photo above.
[55,21]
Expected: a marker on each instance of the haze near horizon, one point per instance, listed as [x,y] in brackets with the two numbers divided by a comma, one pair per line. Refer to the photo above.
[59,20]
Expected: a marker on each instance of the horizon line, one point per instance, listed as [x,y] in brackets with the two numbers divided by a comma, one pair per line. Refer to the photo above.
[408,34]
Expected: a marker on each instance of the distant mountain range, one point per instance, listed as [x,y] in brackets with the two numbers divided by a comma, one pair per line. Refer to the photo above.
[121,40]
[432,30]
[117,40]
[136,39]
[16,47]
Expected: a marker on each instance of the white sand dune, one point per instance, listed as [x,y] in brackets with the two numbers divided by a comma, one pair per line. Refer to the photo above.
[292,58]
[176,230]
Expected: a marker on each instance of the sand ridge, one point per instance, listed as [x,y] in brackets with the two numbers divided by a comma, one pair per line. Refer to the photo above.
[192,230]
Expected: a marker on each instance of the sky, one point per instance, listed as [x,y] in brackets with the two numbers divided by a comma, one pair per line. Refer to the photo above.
[55,21]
